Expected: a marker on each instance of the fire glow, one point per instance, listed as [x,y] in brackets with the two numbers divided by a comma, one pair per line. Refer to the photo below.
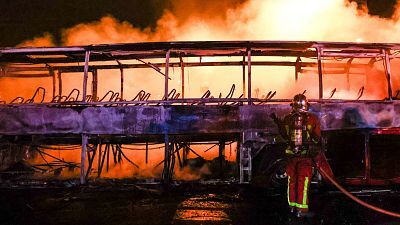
[252,20]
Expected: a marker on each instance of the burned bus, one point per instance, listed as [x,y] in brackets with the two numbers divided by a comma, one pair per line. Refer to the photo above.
[81,110]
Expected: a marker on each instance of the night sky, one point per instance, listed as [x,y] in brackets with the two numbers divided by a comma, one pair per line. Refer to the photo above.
[22,20]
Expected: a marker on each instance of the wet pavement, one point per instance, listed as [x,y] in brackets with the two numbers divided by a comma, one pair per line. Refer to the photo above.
[191,203]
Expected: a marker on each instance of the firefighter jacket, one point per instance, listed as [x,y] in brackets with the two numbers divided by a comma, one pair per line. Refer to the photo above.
[302,132]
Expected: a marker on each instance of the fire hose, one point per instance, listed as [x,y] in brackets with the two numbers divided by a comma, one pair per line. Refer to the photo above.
[354,198]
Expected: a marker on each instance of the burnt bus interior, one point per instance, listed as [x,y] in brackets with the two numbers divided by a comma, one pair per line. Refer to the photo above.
[368,156]
[100,105]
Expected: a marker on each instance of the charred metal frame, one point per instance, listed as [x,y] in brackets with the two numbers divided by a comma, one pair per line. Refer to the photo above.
[56,62]
[141,51]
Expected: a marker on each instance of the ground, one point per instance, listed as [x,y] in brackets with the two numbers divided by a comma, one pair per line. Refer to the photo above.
[186,203]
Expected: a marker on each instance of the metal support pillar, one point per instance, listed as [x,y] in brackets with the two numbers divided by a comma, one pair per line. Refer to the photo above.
[244,76]
[245,164]
[167,157]
[83,159]
[53,76]
[297,69]
[94,85]
[320,86]
[249,76]
[108,159]
[106,147]
[121,69]
[182,77]
[388,73]
[185,151]
[85,75]
[367,160]
[171,161]
[221,153]
[178,155]
[167,55]
[59,83]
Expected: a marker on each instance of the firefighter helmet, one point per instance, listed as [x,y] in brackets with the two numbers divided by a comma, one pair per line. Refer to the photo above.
[300,103]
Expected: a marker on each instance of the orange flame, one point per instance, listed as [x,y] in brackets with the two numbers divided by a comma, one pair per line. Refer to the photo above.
[328,20]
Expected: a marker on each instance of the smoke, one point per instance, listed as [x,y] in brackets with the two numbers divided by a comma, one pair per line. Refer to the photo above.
[329,20]
[46,40]
[110,30]
[300,20]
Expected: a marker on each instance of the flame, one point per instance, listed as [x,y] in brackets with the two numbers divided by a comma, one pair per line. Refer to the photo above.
[151,169]
[328,20]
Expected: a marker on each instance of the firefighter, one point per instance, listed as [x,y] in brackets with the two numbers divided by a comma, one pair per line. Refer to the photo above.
[301,130]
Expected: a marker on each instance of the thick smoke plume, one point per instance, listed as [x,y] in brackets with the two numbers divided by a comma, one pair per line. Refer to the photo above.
[307,20]
[329,20]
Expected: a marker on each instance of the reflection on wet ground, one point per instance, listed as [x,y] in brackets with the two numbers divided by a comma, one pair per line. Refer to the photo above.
[205,207]
[185,204]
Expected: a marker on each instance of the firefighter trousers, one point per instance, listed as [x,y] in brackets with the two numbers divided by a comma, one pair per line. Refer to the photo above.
[299,171]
